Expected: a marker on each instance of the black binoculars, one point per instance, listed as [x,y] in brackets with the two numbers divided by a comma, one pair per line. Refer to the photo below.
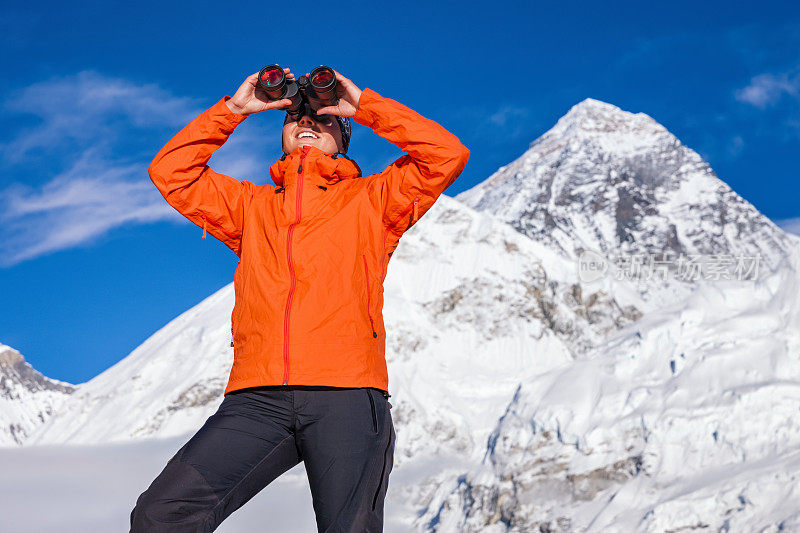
[315,91]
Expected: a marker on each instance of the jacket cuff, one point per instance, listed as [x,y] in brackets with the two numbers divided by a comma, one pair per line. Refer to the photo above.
[367,112]
[221,113]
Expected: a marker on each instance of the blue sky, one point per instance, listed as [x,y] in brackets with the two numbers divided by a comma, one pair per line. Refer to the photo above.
[93,260]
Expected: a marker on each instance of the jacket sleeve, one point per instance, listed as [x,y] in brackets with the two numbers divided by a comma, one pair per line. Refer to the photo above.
[213,201]
[434,159]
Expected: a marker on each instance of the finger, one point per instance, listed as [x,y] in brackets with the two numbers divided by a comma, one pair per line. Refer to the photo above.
[344,82]
[280,104]
[329,110]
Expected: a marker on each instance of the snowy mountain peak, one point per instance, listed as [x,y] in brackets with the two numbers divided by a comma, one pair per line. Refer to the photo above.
[619,184]
[608,126]
[14,370]
[27,398]
[591,110]
[9,357]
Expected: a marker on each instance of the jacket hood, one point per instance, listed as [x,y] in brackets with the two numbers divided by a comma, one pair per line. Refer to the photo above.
[330,167]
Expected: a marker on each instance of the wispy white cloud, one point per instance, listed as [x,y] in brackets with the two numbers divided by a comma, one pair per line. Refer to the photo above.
[790,225]
[768,88]
[498,123]
[508,114]
[88,109]
[735,145]
[75,208]
[85,124]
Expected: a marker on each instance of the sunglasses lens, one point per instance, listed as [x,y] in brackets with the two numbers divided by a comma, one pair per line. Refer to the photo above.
[307,110]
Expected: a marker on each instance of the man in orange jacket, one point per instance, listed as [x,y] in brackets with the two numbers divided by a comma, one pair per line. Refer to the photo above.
[309,380]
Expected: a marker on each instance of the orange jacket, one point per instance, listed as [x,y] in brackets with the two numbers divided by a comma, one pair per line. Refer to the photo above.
[313,250]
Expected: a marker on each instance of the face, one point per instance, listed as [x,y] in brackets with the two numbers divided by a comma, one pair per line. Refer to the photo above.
[306,131]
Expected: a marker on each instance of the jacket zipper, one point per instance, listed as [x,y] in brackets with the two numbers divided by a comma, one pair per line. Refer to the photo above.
[413,205]
[369,298]
[204,227]
[298,205]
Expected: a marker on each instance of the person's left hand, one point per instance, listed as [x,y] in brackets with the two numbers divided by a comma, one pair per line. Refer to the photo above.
[348,95]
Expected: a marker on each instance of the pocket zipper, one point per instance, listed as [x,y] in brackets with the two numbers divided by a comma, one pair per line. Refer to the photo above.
[383,473]
[372,408]
[415,216]
[369,298]
[413,207]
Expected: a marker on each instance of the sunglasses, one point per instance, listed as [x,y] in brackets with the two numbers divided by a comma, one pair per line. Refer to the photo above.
[309,111]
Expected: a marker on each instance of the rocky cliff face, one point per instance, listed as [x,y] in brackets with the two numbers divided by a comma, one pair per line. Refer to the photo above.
[621,185]
[27,398]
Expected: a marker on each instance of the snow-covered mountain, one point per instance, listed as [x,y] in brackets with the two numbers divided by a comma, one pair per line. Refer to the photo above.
[526,398]
[487,307]
[27,398]
[619,184]
[686,419]
[167,386]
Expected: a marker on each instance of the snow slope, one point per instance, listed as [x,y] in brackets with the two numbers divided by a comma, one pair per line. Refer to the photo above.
[686,419]
[526,397]
[486,308]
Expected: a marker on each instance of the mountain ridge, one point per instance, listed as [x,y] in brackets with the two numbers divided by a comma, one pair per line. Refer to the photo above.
[27,398]
[553,401]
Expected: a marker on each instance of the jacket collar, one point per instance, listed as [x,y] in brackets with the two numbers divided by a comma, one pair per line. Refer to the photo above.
[317,164]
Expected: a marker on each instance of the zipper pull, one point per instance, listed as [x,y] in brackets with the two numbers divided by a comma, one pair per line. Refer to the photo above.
[204,227]
[416,203]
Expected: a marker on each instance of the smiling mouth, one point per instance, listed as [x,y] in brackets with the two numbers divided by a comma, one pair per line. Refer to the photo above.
[307,135]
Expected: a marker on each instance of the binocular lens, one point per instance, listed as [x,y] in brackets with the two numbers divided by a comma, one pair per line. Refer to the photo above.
[322,79]
[323,84]
[272,78]
[319,86]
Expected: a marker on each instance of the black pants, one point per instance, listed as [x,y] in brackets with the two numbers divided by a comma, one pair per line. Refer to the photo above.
[345,437]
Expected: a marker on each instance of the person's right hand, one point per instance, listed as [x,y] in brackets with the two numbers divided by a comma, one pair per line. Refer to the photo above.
[251,98]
